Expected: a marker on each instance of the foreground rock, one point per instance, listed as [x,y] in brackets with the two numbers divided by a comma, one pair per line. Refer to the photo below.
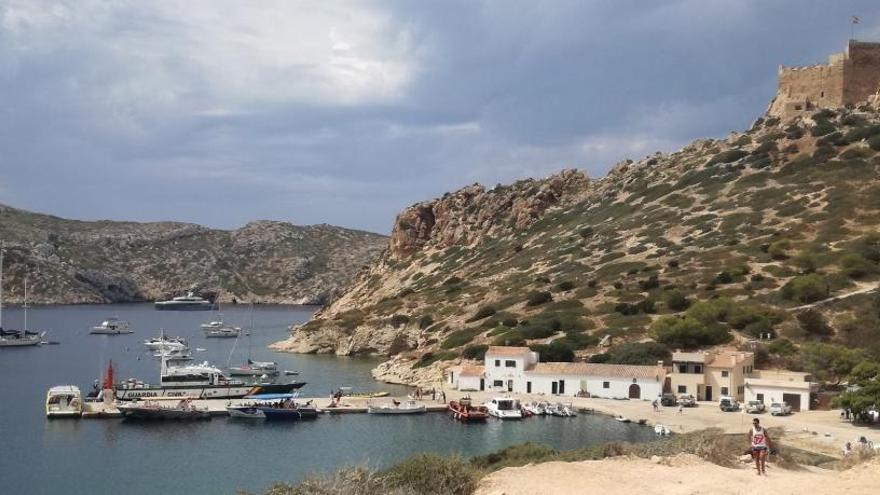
[683,474]
[71,261]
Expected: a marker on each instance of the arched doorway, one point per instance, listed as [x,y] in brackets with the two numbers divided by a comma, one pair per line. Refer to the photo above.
[635,392]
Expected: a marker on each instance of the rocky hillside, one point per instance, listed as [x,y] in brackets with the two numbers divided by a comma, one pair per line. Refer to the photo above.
[770,233]
[71,261]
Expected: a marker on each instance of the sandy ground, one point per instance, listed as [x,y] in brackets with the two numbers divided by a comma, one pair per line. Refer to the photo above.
[684,474]
[816,431]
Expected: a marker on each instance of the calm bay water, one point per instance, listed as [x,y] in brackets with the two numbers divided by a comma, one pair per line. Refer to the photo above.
[219,456]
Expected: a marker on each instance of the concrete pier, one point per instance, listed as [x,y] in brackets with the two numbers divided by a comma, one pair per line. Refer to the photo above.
[217,407]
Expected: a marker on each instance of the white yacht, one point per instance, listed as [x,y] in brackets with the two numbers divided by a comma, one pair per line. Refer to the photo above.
[254,368]
[111,326]
[64,401]
[189,302]
[218,329]
[163,343]
[196,381]
[504,408]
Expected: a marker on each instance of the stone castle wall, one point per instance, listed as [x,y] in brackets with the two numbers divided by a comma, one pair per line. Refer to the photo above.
[848,78]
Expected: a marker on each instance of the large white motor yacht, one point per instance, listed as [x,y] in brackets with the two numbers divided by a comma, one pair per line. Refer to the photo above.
[189,302]
[504,408]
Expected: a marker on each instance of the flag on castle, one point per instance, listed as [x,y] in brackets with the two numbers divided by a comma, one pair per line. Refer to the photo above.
[855,19]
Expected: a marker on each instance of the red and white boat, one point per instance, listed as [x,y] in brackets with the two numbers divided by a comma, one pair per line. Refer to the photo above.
[466,412]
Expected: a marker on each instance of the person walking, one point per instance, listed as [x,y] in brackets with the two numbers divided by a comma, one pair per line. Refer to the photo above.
[760,443]
[680,408]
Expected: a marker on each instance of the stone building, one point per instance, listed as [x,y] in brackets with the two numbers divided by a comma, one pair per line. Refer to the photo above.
[849,78]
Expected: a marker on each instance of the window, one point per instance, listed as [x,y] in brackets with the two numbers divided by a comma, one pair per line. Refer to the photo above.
[498,383]
[510,363]
[606,384]
[497,363]
[821,94]
[725,374]
[760,397]
[698,369]
[725,391]
[682,389]
[682,368]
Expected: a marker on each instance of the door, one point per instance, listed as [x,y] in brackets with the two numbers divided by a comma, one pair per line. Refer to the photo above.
[554,388]
[482,384]
[760,398]
[794,400]
[561,387]
[635,392]
[510,385]
[528,387]
[708,392]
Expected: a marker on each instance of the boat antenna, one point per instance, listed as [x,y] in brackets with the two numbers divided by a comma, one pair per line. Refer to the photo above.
[25,303]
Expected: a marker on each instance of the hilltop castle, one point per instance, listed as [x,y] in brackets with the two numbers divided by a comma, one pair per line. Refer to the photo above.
[849,78]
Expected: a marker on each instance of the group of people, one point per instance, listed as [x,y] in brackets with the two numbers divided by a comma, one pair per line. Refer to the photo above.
[420,394]
[862,444]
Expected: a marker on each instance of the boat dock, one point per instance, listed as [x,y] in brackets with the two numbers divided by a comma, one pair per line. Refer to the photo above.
[217,407]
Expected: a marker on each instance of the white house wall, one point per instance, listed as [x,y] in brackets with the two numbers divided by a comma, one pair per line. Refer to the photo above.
[774,394]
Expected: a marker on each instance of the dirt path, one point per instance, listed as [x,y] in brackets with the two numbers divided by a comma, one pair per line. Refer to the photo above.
[679,475]
[863,288]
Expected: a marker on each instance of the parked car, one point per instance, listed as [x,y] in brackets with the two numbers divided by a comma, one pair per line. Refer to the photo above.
[687,400]
[755,407]
[668,400]
[780,409]
[728,404]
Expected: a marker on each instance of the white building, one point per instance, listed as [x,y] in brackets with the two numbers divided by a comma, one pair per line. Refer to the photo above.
[769,386]
[516,369]
[610,381]
[466,377]
[505,368]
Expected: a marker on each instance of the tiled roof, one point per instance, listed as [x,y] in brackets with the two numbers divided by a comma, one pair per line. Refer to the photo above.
[500,350]
[598,369]
[727,359]
[471,371]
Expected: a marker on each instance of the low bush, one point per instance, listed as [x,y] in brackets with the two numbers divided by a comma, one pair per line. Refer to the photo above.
[688,332]
[782,347]
[555,351]
[642,353]
[855,265]
[676,300]
[813,323]
[728,156]
[430,358]
[805,289]
[460,337]
[476,352]
[399,320]
[649,283]
[538,297]
[483,312]
[425,322]
[565,286]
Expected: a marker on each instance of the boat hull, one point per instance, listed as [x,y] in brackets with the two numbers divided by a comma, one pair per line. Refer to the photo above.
[160,306]
[19,342]
[102,331]
[396,410]
[468,414]
[280,414]
[206,391]
[162,413]
[245,412]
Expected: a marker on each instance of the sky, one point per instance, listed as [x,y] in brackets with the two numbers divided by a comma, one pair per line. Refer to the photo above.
[221,112]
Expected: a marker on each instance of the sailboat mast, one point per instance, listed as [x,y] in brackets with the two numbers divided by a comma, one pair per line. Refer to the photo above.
[25,304]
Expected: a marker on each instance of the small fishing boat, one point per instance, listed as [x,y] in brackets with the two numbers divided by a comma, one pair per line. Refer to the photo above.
[111,326]
[396,407]
[218,330]
[563,410]
[504,408]
[288,410]
[64,401]
[165,343]
[464,411]
[255,368]
[661,430]
[152,409]
[245,412]
[291,373]
[535,408]
[622,419]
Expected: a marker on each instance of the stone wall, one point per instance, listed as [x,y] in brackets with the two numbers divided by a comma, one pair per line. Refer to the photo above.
[848,78]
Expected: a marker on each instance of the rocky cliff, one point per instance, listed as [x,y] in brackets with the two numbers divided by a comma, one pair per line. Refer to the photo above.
[724,241]
[69,261]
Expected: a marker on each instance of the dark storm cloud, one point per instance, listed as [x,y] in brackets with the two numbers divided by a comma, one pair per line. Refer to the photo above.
[347,112]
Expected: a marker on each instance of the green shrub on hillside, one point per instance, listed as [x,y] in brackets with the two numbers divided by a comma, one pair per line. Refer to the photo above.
[554,352]
[460,337]
[782,347]
[855,265]
[425,321]
[483,312]
[641,353]
[565,286]
[432,474]
[688,332]
[813,323]
[475,352]
[728,156]
[874,142]
[805,289]
[430,358]
[676,300]
[711,311]
[778,250]
[398,320]
[538,297]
